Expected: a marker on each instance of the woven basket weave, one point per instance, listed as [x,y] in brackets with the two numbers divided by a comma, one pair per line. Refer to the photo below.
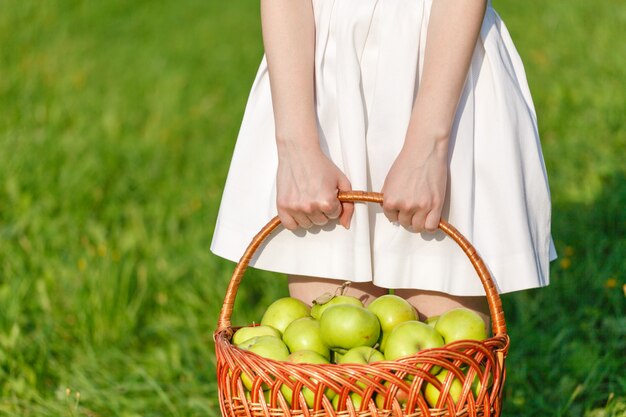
[386,388]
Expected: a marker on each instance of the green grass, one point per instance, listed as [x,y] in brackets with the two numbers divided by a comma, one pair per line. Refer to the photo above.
[117,120]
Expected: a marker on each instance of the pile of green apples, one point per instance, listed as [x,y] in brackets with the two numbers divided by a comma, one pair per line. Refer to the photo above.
[341,330]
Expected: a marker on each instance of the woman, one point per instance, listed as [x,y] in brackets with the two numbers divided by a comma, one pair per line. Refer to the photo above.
[425,100]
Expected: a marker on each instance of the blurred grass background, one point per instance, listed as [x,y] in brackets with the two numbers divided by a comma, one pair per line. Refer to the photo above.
[117,121]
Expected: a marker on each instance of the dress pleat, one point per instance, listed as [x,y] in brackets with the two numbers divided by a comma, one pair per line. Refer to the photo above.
[368,63]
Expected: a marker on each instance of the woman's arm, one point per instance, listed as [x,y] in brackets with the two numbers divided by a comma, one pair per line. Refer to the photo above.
[415,186]
[307,181]
[289,40]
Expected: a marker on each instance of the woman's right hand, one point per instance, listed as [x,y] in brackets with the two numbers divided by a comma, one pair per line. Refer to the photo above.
[307,184]
[307,181]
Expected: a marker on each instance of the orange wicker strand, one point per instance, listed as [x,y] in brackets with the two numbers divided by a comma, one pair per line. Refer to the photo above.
[384,389]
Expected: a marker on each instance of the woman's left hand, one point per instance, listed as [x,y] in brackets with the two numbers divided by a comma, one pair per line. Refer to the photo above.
[415,187]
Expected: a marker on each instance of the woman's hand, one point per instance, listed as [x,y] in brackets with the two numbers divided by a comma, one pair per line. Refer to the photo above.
[415,187]
[307,181]
[307,184]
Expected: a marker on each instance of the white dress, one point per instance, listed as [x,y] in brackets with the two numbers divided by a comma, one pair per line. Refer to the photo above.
[368,61]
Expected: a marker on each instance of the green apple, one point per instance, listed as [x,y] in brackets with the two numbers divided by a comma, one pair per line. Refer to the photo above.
[362,355]
[409,338]
[335,357]
[318,308]
[269,347]
[266,394]
[392,310]
[306,356]
[304,334]
[247,333]
[461,324]
[283,311]
[245,345]
[477,384]
[382,340]
[402,396]
[431,393]
[355,399]
[432,320]
[345,326]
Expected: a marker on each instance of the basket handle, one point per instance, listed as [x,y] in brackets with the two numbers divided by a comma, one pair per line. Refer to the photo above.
[498,323]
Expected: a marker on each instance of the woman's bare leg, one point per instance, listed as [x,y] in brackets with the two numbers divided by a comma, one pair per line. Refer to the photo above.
[308,289]
[427,303]
[432,303]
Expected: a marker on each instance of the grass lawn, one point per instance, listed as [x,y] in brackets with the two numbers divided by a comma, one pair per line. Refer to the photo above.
[117,121]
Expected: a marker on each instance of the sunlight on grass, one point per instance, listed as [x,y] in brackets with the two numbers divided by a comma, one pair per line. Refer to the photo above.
[117,121]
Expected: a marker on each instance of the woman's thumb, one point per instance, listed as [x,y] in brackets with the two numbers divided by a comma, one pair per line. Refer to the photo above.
[347,209]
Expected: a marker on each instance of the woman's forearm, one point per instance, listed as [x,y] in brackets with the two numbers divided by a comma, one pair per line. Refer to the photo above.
[306,180]
[289,40]
[414,190]
[453,29]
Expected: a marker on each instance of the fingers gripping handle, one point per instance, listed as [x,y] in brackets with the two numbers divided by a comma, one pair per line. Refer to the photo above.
[493,298]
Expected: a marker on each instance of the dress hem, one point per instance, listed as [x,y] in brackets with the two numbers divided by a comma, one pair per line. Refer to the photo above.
[525,264]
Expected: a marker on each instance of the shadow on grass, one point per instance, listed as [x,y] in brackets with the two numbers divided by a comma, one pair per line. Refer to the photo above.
[568,340]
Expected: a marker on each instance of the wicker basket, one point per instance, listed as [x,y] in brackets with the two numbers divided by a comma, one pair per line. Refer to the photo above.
[386,388]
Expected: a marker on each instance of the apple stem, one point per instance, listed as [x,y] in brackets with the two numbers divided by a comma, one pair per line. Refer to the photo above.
[343,288]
